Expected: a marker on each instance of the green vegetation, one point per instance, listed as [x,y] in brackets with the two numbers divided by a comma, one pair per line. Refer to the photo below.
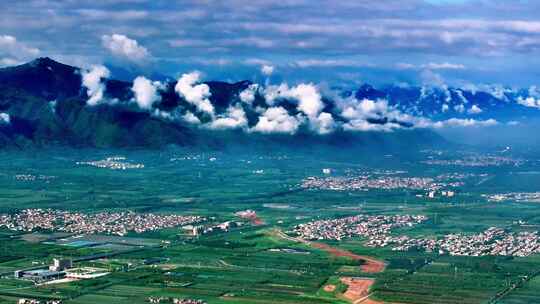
[238,266]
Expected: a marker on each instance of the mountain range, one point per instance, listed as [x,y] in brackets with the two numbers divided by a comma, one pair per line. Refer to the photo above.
[44,103]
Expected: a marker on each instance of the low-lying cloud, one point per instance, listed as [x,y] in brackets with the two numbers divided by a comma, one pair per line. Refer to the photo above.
[234,118]
[196,93]
[278,108]
[92,80]
[277,120]
[146,92]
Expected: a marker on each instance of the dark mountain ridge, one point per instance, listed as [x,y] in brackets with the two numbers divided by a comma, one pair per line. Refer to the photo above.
[47,106]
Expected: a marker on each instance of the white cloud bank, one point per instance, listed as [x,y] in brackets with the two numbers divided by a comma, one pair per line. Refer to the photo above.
[456,122]
[304,101]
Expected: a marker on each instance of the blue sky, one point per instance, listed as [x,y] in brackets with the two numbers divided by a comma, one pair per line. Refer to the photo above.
[335,42]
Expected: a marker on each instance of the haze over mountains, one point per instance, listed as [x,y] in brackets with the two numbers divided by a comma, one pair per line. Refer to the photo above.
[44,102]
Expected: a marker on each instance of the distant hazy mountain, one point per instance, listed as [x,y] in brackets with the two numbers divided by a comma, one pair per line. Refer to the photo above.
[440,103]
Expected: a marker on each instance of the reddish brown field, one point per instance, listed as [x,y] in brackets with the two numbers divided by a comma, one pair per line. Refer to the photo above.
[357,288]
[256,221]
[370,265]
[370,301]
[329,288]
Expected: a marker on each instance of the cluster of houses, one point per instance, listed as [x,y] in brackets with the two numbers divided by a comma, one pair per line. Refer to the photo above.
[156,300]
[477,161]
[113,163]
[377,232]
[369,227]
[367,182]
[118,223]
[31,177]
[514,196]
[34,301]
[492,241]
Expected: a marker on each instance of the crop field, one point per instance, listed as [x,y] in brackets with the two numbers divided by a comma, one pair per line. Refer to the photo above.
[526,294]
[255,263]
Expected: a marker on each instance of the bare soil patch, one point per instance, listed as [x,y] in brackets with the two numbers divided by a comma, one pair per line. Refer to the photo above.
[370,265]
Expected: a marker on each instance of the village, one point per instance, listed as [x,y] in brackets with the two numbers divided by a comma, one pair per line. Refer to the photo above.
[367,182]
[532,197]
[492,241]
[113,163]
[117,223]
[156,300]
[377,232]
[477,161]
[369,227]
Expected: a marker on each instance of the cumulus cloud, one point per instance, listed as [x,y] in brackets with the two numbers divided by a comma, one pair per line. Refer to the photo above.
[307,95]
[13,52]
[474,110]
[191,118]
[324,123]
[234,118]
[530,102]
[496,90]
[197,94]
[5,118]
[146,92]
[362,115]
[124,47]
[247,96]
[459,108]
[277,120]
[309,101]
[267,70]
[274,92]
[92,80]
